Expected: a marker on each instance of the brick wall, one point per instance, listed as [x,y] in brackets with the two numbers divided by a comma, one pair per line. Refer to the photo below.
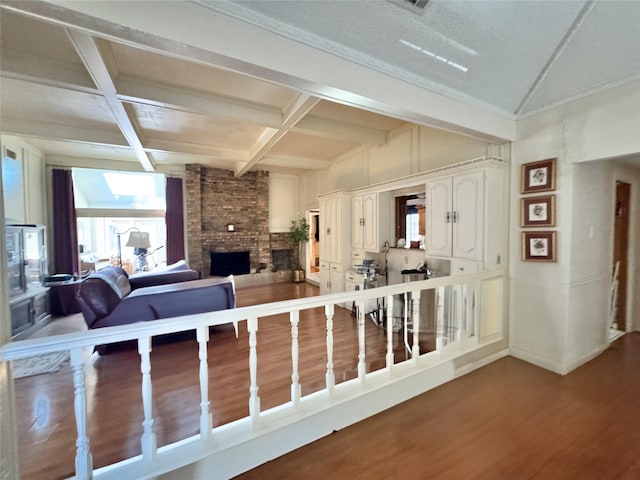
[216,198]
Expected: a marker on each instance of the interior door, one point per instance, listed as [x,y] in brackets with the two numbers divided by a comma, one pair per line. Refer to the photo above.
[620,253]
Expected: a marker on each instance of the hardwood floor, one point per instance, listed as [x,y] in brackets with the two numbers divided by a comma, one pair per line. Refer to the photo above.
[506,420]
[45,402]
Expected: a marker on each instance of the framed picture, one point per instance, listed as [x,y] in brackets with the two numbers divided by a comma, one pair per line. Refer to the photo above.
[538,176]
[539,246]
[538,211]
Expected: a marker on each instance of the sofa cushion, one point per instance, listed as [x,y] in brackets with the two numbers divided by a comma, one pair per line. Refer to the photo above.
[103,291]
[174,273]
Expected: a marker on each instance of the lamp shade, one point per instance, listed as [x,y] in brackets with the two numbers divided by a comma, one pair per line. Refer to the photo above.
[138,240]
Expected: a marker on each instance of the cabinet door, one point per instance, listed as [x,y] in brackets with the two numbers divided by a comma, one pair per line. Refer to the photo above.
[336,280]
[439,207]
[324,225]
[325,281]
[335,231]
[370,222]
[357,219]
[467,215]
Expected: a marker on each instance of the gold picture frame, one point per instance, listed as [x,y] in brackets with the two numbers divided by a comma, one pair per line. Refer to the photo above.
[539,211]
[538,176]
[539,246]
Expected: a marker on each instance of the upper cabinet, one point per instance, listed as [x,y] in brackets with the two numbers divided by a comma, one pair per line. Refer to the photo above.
[464,214]
[370,221]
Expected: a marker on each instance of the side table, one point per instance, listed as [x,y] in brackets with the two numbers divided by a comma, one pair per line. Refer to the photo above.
[62,299]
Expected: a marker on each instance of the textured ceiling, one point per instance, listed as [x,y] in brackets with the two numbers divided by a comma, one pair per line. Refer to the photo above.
[78,93]
[518,56]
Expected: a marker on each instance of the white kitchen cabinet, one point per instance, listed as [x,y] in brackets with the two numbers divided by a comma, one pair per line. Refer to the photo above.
[331,278]
[335,228]
[357,222]
[370,221]
[465,215]
[335,241]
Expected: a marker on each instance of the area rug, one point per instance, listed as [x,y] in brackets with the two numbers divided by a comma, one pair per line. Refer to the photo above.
[45,363]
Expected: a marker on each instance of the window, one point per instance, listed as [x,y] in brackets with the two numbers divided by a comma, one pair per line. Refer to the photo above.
[412,219]
[111,204]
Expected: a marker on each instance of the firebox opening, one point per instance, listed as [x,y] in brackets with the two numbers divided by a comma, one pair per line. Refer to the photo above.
[230,263]
[281,259]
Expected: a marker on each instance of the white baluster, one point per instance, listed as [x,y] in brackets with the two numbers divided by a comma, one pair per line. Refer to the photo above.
[84,460]
[462,331]
[294,317]
[148,440]
[362,365]
[330,377]
[254,399]
[415,350]
[206,421]
[405,323]
[390,332]
[474,316]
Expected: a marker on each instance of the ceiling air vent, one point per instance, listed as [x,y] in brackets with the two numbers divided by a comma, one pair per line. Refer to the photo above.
[416,6]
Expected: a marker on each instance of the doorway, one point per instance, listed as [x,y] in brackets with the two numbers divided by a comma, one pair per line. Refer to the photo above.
[313,252]
[620,257]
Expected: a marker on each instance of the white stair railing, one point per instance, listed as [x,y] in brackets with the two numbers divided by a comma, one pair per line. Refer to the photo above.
[79,344]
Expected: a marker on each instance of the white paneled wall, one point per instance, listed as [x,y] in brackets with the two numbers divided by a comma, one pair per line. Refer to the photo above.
[409,150]
[558,310]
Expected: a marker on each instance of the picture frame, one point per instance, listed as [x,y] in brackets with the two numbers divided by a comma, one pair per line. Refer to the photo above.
[539,211]
[539,246]
[538,176]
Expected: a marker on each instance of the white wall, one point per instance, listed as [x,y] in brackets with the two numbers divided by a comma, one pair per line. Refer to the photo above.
[559,310]
[283,202]
[409,150]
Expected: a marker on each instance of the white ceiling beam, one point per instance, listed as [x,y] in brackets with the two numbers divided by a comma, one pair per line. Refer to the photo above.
[295,110]
[147,93]
[88,50]
[54,131]
[338,130]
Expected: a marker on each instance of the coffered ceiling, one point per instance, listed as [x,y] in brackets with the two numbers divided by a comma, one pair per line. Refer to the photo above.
[74,92]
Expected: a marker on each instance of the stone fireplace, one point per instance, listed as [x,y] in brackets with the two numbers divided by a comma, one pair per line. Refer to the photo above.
[216,198]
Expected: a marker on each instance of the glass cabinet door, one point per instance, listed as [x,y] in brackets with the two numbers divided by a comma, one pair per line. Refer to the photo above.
[34,257]
[14,261]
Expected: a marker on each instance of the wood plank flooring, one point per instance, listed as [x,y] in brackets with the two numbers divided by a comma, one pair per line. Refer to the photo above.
[507,420]
[45,402]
